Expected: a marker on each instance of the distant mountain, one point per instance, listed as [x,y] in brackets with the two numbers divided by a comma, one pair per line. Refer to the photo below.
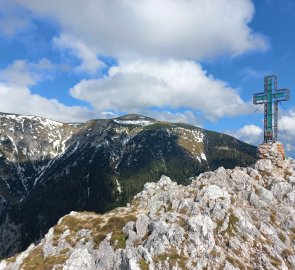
[241,218]
[48,168]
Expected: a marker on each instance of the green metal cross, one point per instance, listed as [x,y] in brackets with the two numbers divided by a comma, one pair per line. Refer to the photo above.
[271,98]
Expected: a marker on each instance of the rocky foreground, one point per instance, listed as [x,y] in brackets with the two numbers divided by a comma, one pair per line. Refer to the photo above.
[242,218]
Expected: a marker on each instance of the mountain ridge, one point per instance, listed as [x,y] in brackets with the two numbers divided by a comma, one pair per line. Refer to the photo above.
[95,166]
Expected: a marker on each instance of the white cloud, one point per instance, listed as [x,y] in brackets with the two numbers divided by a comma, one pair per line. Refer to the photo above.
[251,73]
[251,134]
[43,65]
[173,28]
[12,18]
[135,30]
[23,73]
[89,61]
[250,130]
[287,131]
[174,117]
[137,86]
[287,123]
[18,74]
[19,99]
[11,24]
[16,97]
[153,88]
[108,114]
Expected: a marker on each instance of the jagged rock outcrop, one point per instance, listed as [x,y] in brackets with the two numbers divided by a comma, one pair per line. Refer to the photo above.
[241,218]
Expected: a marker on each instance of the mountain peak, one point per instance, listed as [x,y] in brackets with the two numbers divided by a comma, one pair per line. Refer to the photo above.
[135,117]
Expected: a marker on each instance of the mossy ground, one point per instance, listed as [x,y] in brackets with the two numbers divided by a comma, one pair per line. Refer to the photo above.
[37,261]
[143,264]
[99,227]
[173,258]
[75,224]
[235,262]
[232,224]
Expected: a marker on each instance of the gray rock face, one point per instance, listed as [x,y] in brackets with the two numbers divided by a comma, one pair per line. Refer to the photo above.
[141,225]
[264,165]
[80,259]
[241,218]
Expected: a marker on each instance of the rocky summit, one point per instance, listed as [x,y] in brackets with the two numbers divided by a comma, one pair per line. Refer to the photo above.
[240,218]
[48,168]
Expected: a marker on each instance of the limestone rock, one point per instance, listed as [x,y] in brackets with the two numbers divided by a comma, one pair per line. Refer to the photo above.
[141,225]
[80,259]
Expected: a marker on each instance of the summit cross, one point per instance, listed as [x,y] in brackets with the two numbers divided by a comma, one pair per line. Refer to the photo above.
[271,98]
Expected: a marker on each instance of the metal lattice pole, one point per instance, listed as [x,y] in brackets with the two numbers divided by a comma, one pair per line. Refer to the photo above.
[276,112]
[265,110]
[276,109]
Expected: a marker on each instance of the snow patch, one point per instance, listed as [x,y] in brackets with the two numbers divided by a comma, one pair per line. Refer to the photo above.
[134,122]
[203,156]
[119,188]
[14,144]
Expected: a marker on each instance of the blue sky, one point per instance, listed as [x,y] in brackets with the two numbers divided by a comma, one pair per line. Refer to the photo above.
[192,61]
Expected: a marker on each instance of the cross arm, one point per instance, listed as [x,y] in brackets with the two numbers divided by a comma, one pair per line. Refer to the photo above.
[281,95]
[260,98]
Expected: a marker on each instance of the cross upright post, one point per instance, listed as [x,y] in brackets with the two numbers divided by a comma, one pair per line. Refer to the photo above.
[271,98]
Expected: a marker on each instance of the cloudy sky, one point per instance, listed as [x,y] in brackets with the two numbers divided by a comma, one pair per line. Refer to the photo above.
[194,61]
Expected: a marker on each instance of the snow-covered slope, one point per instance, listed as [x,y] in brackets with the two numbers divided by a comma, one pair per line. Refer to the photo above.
[27,145]
[241,218]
